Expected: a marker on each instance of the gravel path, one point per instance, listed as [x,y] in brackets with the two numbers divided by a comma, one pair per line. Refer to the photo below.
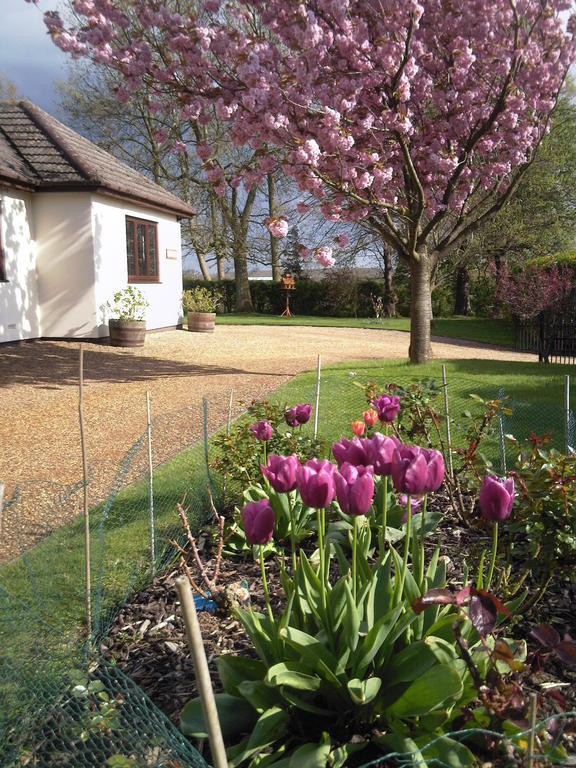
[40,454]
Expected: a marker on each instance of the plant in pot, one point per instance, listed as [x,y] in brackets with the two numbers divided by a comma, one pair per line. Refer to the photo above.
[200,306]
[127,323]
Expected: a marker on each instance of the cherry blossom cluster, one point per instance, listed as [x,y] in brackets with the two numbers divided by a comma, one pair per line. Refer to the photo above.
[384,109]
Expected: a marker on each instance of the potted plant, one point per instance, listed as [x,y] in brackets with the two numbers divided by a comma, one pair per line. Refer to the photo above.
[200,306]
[127,323]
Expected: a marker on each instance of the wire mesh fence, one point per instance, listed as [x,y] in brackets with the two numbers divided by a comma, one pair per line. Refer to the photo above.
[60,704]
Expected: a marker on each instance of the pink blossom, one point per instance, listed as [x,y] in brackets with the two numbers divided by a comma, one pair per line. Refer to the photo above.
[341,241]
[302,207]
[277,226]
[324,256]
[204,151]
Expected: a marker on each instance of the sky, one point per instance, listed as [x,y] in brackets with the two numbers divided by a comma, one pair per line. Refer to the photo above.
[27,55]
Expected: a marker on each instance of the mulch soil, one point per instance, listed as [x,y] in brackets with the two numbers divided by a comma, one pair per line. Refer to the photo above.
[147,639]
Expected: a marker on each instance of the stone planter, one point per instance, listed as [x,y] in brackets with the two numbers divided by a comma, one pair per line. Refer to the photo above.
[201,322]
[127,333]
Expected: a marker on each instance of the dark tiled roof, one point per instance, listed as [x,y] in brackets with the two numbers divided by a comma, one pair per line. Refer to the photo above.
[39,153]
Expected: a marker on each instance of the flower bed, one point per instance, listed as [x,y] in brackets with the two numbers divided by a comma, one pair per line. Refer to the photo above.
[365,639]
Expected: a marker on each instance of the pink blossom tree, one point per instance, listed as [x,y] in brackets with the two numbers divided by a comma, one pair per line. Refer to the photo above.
[416,119]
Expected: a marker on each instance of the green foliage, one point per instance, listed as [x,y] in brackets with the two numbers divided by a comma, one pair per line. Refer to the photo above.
[239,455]
[542,531]
[200,299]
[128,304]
[563,259]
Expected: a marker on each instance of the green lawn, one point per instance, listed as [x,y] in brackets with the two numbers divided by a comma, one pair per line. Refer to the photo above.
[483,330]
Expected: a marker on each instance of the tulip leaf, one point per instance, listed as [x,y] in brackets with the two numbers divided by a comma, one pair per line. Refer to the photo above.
[234,670]
[313,652]
[312,755]
[236,717]
[436,687]
[374,640]
[337,603]
[403,748]
[414,660]
[364,691]
[446,752]
[260,695]
[303,704]
[294,675]
[351,621]
[272,725]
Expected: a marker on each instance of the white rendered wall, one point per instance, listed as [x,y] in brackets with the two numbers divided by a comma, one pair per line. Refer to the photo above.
[65,264]
[109,225]
[19,317]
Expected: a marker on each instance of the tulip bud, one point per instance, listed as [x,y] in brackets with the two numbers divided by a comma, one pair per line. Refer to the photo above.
[496,497]
[354,488]
[380,450]
[281,472]
[353,451]
[387,407]
[291,417]
[315,481]
[370,417]
[258,521]
[262,430]
[303,412]
[416,470]
[358,428]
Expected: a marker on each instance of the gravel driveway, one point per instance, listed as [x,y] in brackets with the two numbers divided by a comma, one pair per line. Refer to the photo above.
[39,434]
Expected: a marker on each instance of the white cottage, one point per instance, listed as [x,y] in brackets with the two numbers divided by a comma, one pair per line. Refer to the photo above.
[77,225]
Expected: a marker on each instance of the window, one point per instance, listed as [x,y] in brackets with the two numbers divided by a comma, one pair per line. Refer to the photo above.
[142,250]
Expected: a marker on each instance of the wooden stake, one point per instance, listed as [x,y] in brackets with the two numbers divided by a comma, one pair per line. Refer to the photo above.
[532,736]
[194,637]
[567,445]
[86,512]
[317,400]
[151,486]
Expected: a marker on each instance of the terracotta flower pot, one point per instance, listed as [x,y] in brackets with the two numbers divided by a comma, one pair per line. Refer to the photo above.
[201,322]
[127,333]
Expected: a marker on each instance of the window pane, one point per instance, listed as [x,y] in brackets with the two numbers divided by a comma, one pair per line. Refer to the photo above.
[130,248]
[141,241]
[152,257]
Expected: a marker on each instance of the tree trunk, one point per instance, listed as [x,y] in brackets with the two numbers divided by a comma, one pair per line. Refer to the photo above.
[499,266]
[203,267]
[216,236]
[274,251]
[420,309]
[390,297]
[462,304]
[243,297]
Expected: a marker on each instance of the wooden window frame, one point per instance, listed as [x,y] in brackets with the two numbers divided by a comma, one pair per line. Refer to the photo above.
[147,278]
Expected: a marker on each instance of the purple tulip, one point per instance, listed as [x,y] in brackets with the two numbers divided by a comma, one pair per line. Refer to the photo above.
[315,481]
[281,472]
[291,417]
[416,470]
[496,497]
[380,451]
[303,412]
[262,430]
[415,504]
[387,407]
[353,451]
[258,521]
[354,488]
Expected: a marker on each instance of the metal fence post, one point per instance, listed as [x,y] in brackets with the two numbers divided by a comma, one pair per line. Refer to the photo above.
[447,412]
[317,399]
[567,445]
[501,443]
[151,485]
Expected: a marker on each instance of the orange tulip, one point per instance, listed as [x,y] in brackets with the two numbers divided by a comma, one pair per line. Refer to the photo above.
[358,428]
[370,418]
